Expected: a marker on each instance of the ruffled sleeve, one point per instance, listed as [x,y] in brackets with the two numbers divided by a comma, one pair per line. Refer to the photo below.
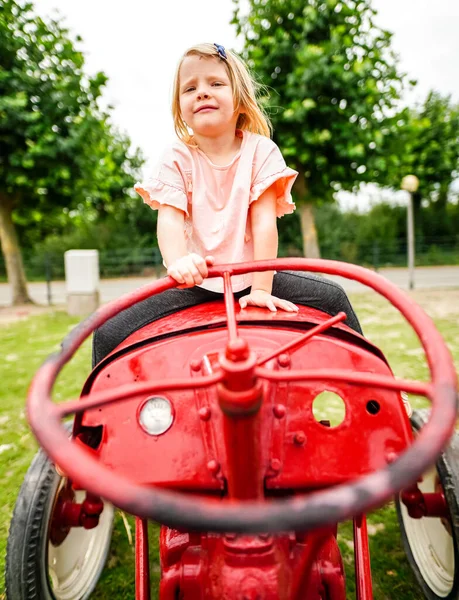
[167,183]
[269,169]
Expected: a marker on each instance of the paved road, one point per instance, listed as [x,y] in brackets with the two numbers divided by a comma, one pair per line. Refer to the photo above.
[425,278]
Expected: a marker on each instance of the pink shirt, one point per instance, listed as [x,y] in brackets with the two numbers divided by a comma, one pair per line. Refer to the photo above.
[216,199]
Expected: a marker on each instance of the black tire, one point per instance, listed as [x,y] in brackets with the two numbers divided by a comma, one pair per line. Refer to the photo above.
[441,581]
[27,573]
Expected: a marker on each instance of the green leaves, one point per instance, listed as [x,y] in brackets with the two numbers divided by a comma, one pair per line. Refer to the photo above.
[424,140]
[53,133]
[61,159]
[335,83]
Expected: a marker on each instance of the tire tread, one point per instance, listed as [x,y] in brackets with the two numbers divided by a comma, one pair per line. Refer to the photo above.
[22,577]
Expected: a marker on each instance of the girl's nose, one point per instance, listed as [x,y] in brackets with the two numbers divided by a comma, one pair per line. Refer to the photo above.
[202,95]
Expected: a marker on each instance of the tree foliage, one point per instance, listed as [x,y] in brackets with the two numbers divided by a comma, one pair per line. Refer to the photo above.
[333,80]
[58,149]
[424,141]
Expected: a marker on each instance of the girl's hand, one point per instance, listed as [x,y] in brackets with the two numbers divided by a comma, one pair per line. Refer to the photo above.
[190,270]
[263,299]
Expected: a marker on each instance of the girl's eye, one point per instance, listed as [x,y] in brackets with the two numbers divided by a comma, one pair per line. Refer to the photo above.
[218,83]
[190,89]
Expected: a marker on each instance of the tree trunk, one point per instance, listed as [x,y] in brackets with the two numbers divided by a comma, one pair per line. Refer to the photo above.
[12,253]
[308,228]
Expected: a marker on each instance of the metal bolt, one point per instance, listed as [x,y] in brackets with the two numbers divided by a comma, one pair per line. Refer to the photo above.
[204,413]
[195,365]
[264,537]
[299,438]
[213,466]
[284,360]
[279,411]
[275,465]
[391,457]
[230,537]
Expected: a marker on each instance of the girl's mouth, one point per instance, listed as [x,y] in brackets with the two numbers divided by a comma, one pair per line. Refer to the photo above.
[206,109]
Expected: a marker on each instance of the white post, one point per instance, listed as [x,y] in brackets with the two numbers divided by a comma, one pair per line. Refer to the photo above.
[82,281]
[410,183]
[410,232]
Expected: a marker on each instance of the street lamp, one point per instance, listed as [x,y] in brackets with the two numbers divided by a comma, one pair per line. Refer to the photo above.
[410,183]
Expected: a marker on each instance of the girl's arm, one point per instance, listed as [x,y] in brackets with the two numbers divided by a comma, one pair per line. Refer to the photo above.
[171,233]
[263,221]
[186,269]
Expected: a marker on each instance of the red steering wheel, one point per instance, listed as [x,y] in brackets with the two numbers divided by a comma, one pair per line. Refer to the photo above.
[318,509]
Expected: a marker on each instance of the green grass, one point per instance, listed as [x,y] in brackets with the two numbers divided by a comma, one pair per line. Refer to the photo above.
[25,345]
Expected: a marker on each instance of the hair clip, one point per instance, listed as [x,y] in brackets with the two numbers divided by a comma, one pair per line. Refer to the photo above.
[221,51]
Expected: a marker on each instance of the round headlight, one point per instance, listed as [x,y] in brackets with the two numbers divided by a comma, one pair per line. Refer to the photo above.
[156,415]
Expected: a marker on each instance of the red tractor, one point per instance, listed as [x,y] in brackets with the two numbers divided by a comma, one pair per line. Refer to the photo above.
[204,422]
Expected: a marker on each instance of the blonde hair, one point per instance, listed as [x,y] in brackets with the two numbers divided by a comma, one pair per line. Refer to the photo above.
[245,90]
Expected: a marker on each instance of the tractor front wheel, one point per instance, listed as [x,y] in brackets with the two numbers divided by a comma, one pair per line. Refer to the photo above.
[64,564]
[431,543]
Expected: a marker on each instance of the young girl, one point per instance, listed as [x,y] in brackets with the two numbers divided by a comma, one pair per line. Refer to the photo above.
[219,190]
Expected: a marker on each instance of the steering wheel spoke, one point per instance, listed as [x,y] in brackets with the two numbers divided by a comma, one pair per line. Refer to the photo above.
[126,392]
[363,379]
[303,339]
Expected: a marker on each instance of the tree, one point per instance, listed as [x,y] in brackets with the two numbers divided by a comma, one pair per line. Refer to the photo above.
[57,148]
[424,141]
[335,81]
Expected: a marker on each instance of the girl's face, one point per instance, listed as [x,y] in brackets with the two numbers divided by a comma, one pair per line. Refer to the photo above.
[206,97]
